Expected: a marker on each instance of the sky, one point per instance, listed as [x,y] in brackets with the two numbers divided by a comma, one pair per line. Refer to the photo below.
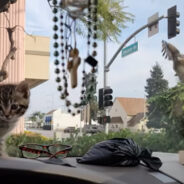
[127,75]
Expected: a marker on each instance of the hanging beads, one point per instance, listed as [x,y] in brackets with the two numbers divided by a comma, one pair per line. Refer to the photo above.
[94,19]
[63,24]
[55,44]
[89,26]
[63,95]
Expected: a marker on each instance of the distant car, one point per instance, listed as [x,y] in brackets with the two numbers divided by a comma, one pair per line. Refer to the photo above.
[47,127]
[69,130]
[93,129]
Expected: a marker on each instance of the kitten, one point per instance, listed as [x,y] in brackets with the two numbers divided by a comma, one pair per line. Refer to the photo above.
[14,101]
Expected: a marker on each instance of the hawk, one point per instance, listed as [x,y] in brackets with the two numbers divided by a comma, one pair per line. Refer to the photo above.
[172,53]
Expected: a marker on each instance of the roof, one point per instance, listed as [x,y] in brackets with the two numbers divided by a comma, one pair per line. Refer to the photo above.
[50,112]
[135,119]
[132,106]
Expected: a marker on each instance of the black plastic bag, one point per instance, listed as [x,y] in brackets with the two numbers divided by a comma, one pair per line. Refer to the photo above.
[120,152]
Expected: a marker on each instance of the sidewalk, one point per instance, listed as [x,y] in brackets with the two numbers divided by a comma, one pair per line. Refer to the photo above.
[46,133]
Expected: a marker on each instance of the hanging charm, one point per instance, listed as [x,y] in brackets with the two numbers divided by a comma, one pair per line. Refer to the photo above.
[73,64]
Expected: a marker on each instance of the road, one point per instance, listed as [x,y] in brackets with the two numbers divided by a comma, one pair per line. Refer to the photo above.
[46,133]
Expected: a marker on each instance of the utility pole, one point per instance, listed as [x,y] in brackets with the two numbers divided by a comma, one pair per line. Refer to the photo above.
[105,59]
[105,82]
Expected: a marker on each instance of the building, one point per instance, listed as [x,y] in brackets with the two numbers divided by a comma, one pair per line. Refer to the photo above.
[32,56]
[138,123]
[37,55]
[48,120]
[62,123]
[29,124]
[62,120]
[126,113]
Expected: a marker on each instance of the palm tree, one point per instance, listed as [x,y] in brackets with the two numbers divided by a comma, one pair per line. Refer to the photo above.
[111,19]
[37,117]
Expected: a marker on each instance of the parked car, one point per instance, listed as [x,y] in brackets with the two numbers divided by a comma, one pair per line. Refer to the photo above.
[69,130]
[93,128]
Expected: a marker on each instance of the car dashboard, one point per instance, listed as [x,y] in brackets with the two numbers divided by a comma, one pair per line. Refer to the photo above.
[29,171]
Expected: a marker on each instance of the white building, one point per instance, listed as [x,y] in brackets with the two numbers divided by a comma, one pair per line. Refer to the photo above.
[29,124]
[128,113]
[60,121]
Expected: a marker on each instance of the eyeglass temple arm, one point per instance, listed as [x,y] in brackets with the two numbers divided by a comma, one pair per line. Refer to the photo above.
[36,150]
[61,152]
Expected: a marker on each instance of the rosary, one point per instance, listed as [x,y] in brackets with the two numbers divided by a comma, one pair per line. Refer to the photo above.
[66,54]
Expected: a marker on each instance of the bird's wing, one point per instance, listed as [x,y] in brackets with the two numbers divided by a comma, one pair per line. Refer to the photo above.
[181,58]
[169,50]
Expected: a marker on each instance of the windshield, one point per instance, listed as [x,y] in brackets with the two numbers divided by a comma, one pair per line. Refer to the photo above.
[96,71]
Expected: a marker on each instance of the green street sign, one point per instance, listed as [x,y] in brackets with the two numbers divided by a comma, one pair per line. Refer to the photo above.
[130,49]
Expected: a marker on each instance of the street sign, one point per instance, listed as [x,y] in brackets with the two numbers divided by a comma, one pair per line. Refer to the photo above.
[153,29]
[130,49]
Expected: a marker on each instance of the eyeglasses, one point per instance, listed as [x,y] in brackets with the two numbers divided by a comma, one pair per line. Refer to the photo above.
[37,150]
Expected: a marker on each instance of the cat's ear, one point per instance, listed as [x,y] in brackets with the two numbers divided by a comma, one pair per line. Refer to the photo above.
[23,88]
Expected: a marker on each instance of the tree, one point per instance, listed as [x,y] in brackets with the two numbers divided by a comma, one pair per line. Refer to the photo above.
[5,5]
[156,85]
[171,104]
[111,19]
[94,109]
[89,95]
[37,117]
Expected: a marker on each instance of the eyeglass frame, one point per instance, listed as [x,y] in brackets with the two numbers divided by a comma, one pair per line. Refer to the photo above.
[25,147]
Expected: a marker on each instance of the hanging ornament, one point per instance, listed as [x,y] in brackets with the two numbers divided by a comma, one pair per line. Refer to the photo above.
[75,8]
[66,53]
[92,32]
[73,64]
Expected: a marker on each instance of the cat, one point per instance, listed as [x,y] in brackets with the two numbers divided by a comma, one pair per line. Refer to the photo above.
[14,101]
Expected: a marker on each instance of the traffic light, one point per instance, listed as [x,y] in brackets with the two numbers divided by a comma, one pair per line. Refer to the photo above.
[107,97]
[100,98]
[104,119]
[173,23]
[100,120]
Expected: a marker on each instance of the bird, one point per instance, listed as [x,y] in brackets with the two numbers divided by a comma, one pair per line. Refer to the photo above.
[172,53]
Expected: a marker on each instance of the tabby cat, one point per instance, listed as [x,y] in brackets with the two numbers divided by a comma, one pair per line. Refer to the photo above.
[14,101]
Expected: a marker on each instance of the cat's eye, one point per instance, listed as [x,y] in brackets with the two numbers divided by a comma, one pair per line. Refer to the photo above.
[14,106]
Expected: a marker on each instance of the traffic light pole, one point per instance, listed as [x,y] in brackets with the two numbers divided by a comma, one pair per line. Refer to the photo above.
[105,59]
[127,40]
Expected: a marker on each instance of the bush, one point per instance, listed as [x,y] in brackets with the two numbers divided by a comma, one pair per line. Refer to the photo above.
[80,145]
[15,140]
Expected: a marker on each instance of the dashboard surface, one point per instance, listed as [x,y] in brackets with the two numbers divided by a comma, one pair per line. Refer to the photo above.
[19,170]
